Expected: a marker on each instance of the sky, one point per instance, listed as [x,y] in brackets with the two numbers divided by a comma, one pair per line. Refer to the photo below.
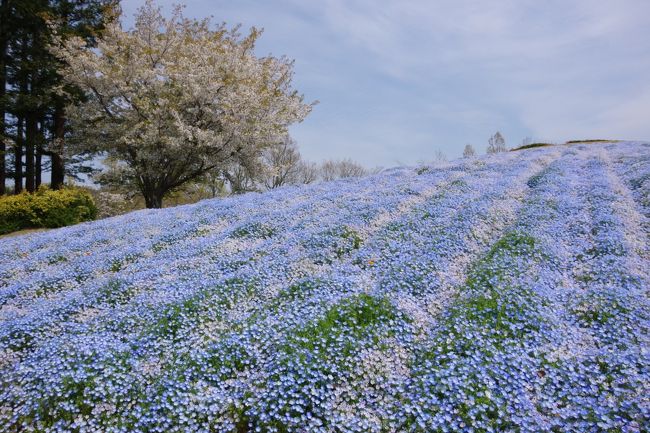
[398,80]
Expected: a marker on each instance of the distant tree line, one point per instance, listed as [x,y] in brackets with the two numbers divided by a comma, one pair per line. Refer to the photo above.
[496,144]
[280,164]
[171,103]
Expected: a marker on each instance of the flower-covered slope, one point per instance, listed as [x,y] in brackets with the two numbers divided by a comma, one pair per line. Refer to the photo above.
[507,293]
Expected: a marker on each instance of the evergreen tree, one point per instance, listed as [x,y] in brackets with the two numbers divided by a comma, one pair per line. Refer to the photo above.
[32,109]
[4,36]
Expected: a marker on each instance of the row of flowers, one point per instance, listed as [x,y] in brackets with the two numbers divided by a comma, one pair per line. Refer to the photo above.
[505,293]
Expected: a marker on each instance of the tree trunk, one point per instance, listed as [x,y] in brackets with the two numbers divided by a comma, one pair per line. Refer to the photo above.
[31,131]
[18,157]
[3,81]
[38,174]
[153,199]
[3,149]
[38,167]
[58,168]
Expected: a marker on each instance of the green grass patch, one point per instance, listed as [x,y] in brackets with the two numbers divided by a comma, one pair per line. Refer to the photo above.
[506,317]
[74,395]
[298,291]
[458,183]
[531,146]
[18,340]
[227,358]
[353,241]
[503,313]
[195,308]
[48,288]
[488,302]
[539,178]
[254,231]
[57,259]
[597,140]
[169,240]
[118,264]
[116,292]
[334,243]
[351,318]
[513,243]
[596,309]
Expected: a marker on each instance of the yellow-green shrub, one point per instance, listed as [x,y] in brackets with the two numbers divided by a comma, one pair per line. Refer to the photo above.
[46,208]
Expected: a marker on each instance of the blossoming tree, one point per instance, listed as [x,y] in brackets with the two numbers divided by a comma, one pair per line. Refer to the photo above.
[174,98]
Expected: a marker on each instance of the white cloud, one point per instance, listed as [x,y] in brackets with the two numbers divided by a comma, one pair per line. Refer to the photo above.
[409,76]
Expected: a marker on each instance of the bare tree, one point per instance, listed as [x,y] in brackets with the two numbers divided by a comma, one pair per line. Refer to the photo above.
[349,168]
[469,151]
[526,141]
[496,143]
[439,156]
[214,183]
[333,169]
[306,173]
[328,171]
[282,164]
[240,178]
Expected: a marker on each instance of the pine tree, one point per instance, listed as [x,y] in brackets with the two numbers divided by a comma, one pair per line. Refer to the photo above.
[32,109]
[4,36]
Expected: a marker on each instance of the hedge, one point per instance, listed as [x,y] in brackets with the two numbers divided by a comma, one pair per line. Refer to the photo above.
[46,209]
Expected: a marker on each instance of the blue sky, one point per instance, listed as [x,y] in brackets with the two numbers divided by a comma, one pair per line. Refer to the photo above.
[398,80]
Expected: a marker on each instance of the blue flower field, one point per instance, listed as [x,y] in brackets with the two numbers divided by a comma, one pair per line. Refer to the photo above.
[508,293]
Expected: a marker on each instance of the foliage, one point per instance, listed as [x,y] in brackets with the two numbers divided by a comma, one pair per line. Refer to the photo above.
[339,169]
[30,81]
[46,208]
[282,163]
[173,99]
[351,315]
[599,140]
[531,146]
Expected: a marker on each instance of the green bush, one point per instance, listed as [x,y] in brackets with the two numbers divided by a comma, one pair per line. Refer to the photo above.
[597,140]
[531,146]
[46,209]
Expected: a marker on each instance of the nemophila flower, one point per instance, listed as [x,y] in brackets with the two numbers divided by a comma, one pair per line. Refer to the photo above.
[464,298]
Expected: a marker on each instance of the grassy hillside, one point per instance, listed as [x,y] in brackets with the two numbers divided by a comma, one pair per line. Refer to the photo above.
[506,293]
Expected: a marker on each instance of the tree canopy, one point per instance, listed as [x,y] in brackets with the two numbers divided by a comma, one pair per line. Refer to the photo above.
[32,115]
[172,99]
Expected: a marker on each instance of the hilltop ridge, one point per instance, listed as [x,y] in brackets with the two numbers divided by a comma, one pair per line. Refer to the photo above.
[484,294]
